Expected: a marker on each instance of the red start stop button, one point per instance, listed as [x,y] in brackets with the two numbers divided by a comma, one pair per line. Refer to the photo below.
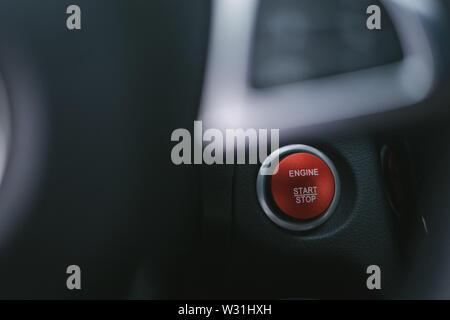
[298,187]
[303,186]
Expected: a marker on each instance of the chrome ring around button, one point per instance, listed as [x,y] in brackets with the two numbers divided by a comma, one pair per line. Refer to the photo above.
[263,180]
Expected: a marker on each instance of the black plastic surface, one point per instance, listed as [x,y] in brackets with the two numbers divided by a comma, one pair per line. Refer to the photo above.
[329,261]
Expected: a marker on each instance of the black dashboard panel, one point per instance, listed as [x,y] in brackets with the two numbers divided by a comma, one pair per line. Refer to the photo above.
[359,233]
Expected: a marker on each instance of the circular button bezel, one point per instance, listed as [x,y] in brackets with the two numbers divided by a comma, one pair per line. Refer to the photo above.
[263,181]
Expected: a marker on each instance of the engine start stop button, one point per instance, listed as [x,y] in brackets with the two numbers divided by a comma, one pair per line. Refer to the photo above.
[304,189]
[303,186]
